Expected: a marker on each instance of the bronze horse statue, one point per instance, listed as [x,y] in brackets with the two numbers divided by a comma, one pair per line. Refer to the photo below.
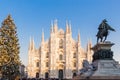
[103,31]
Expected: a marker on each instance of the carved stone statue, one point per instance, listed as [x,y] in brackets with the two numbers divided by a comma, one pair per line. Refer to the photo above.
[103,31]
[87,67]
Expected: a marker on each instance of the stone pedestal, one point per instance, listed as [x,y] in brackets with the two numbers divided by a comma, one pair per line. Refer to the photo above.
[106,68]
[102,51]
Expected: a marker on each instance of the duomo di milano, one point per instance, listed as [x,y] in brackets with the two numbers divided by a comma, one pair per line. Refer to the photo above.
[59,57]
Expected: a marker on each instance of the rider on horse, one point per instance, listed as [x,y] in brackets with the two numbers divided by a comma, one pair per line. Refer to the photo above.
[103,24]
[102,27]
[103,30]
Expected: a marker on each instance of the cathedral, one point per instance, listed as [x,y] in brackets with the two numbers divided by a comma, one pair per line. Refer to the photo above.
[60,56]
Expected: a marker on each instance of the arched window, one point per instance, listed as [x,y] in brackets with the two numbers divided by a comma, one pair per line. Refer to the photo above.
[47,55]
[60,57]
[47,64]
[74,55]
[37,64]
[61,43]
[74,64]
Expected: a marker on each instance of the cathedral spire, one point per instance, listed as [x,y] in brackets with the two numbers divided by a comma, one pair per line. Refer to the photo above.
[70,26]
[67,27]
[42,35]
[32,44]
[55,26]
[89,45]
[51,27]
[79,41]
[89,51]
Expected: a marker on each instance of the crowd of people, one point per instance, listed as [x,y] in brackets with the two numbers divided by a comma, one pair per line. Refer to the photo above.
[42,79]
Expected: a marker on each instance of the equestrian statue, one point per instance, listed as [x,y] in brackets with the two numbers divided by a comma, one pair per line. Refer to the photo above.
[103,31]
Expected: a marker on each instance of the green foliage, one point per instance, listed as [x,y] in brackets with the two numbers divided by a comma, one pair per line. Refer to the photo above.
[9,49]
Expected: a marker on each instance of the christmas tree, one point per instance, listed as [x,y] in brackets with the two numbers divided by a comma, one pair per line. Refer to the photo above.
[9,50]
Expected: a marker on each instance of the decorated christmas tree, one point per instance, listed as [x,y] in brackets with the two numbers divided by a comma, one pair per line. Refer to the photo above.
[9,50]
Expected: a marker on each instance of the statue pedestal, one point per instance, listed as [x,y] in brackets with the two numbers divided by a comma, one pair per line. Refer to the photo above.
[106,69]
[102,45]
[102,51]
[105,66]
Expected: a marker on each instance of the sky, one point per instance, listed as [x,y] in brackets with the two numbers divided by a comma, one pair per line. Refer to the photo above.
[33,16]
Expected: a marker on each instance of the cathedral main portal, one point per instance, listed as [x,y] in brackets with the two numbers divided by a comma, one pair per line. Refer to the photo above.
[60,74]
[46,75]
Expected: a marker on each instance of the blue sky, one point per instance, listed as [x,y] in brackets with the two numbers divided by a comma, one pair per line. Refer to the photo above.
[31,16]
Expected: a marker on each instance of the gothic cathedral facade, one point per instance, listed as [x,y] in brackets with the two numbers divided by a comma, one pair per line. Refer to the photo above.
[59,57]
